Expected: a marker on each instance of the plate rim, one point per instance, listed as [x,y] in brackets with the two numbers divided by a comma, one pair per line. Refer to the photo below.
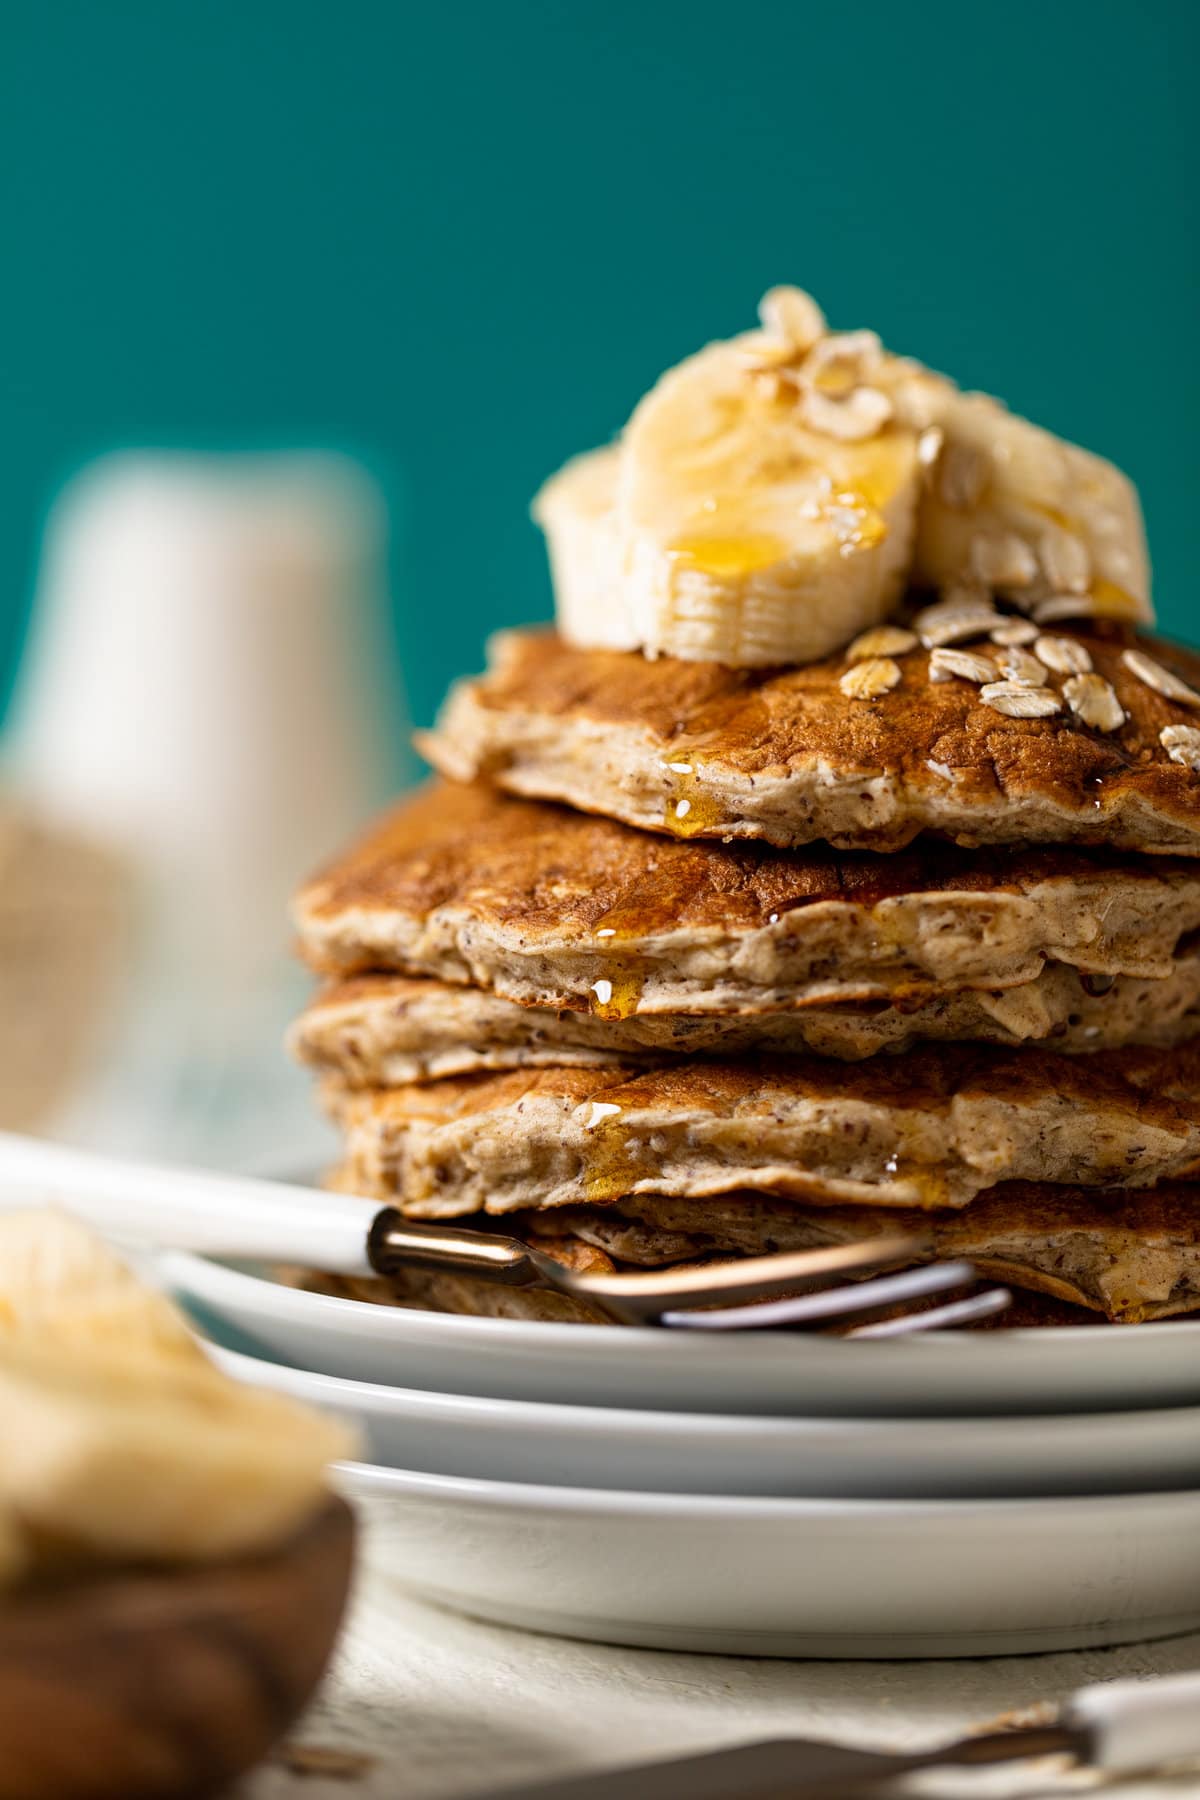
[383,1482]
[595,1421]
[216,1273]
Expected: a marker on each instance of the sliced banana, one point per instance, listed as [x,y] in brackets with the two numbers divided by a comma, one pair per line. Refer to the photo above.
[773,495]
[577,510]
[1016,509]
[121,1440]
[725,528]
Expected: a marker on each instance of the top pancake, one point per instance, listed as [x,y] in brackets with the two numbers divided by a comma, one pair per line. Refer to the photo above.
[554,908]
[699,750]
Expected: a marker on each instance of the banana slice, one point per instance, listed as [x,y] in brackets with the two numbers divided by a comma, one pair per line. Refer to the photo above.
[724,527]
[772,496]
[1012,509]
[121,1441]
[577,510]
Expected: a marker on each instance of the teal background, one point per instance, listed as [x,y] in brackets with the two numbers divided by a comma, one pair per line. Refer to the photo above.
[460,240]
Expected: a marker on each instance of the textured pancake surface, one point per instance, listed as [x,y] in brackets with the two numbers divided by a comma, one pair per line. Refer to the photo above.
[931,1129]
[545,906]
[1131,1255]
[696,749]
[388,1030]
[1070,1253]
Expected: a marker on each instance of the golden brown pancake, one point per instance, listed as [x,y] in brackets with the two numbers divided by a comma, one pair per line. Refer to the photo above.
[695,749]
[556,909]
[1071,1254]
[1131,1255]
[931,1129]
[389,1030]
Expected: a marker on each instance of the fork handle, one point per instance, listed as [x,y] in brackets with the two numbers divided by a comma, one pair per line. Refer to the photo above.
[395,1243]
[241,1216]
[1138,1724]
[188,1209]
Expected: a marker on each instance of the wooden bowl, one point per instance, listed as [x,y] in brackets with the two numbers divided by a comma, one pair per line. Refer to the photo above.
[143,1685]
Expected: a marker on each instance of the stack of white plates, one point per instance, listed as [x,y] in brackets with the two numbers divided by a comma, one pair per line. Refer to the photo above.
[775,1494]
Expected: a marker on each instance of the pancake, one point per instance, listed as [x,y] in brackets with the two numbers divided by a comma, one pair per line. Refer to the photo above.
[695,749]
[389,1030]
[1133,1256]
[1071,1254]
[543,906]
[931,1129]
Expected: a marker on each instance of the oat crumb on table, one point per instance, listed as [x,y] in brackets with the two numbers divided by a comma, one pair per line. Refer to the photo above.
[323,1759]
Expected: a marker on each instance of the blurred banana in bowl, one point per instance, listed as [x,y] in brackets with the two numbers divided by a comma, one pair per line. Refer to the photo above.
[14,1553]
[61,1288]
[776,494]
[122,1442]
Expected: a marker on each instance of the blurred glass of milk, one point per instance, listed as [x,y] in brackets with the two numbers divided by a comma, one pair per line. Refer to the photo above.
[209,688]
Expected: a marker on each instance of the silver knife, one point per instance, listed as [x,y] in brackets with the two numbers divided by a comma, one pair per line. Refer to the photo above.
[1116,1726]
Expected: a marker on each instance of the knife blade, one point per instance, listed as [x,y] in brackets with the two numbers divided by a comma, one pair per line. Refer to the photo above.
[791,1769]
[1116,1726]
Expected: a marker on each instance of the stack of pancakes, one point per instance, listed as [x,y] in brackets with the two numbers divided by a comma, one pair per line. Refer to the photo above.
[681,961]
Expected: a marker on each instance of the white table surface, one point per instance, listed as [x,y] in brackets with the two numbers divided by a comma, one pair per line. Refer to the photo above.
[446,1707]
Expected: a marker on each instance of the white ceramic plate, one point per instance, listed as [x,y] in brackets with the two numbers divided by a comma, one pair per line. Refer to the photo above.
[699,1453]
[828,1578]
[1091,1368]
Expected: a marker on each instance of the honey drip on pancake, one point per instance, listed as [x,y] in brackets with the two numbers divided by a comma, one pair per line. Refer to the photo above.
[929,1187]
[690,809]
[615,996]
[617,991]
[610,1165]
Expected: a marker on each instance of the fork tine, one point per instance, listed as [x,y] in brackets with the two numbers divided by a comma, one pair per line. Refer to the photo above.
[647,1295]
[831,1306]
[939,1318]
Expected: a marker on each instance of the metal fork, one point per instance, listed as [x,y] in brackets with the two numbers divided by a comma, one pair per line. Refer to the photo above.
[835,1294]
[345,1234]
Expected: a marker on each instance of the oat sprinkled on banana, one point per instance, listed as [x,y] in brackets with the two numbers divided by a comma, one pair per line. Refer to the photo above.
[774,495]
